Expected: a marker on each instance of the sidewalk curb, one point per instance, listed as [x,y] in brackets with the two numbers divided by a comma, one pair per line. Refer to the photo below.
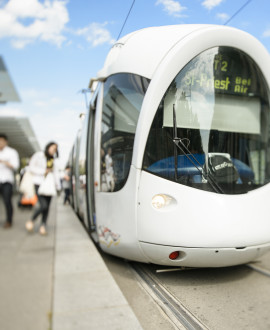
[85,294]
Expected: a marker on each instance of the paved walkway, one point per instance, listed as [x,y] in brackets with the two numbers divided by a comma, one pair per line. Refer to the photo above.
[58,281]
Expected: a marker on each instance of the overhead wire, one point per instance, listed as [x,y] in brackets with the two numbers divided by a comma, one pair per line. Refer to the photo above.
[126,19]
[237,12]
[133,2]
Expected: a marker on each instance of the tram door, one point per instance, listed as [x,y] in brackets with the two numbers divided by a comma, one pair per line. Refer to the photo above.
[90,170]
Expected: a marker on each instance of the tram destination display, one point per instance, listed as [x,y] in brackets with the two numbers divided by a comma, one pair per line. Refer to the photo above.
[220,85]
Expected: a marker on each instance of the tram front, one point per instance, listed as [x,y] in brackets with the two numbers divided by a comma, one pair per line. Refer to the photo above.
[204,188]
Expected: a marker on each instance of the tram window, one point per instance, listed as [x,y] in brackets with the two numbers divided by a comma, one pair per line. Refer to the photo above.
[122,100]
[221,119]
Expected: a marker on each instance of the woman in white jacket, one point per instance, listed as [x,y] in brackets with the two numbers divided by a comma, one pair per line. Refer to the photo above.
[40,165]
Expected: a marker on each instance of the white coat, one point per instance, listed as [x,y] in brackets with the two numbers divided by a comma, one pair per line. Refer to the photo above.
[37,167]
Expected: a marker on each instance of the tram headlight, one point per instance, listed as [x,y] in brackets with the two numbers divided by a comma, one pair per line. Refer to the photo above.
[159,201]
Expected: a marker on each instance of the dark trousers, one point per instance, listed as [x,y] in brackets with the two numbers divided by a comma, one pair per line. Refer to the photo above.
[44,205]
[67,193]
[6,191]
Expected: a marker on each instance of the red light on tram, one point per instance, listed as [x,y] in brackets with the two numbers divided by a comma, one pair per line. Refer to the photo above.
[174,255]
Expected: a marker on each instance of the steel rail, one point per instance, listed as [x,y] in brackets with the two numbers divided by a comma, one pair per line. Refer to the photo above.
[259,269]
[182,317]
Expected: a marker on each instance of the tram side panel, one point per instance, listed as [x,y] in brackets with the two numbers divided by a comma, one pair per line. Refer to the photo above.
[115,179]
[70,164]
[116,221]
[75,173]
[82,172]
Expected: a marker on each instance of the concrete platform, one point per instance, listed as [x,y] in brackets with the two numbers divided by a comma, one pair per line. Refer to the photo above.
[58,281]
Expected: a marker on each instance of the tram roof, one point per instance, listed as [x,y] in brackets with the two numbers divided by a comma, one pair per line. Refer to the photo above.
[20,135]
[140,52]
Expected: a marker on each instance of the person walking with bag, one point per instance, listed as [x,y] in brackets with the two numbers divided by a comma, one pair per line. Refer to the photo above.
[9,163]
[46,178]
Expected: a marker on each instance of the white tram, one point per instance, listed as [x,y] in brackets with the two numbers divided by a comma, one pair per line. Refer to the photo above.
[172,166]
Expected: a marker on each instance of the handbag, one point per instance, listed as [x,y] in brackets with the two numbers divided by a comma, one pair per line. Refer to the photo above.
[27,187]
[47,187]
[28,201]
[28,196]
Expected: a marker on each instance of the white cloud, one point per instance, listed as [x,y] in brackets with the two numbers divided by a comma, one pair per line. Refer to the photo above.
[29,20]
[96,34]
[222,17]
[210,4]
[32,94]
[20,43]
[172,7]
[266,33]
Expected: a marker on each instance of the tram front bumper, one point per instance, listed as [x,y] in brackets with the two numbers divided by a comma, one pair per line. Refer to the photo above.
[202,257]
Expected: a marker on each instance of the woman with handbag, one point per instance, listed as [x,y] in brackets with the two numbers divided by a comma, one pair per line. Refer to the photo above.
[45,174]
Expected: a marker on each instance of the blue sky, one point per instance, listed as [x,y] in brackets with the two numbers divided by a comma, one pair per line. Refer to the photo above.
[53,47]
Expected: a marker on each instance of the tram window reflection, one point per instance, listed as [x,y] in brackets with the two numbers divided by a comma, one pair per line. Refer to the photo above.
[122,100]
[221,121]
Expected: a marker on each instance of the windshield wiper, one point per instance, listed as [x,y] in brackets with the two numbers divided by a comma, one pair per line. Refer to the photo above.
[178,143]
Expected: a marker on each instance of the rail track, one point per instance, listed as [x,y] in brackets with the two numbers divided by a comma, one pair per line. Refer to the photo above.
[259,269]
[178,312]
[196,298]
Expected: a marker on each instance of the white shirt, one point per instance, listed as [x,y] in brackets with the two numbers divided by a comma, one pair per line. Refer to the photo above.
[8,155]
[37,167]
[65,182]
[109,162]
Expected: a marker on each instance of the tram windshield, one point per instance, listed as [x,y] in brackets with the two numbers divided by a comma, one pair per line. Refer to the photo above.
[211,129]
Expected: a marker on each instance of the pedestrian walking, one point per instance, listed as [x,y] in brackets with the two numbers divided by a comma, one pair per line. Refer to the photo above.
[9,163]
[46,178]
[66,184]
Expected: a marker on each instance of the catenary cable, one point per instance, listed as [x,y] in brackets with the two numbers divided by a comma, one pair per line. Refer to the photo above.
[126,19]
[237,12]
